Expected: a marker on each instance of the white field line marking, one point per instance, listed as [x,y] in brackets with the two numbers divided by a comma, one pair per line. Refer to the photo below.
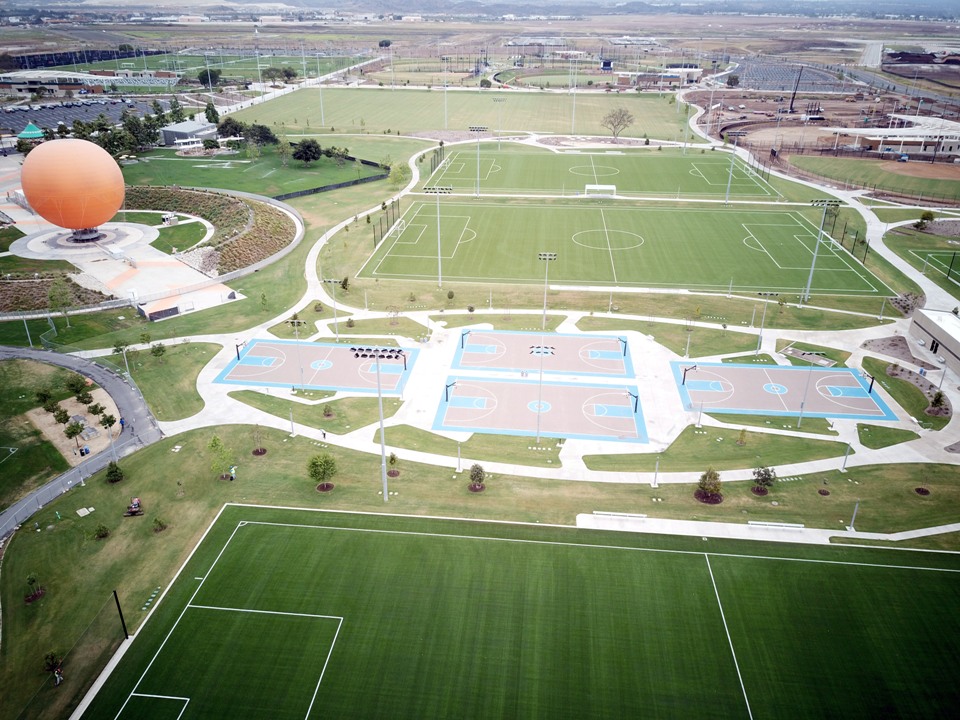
[593,165]
[186,701]
[324,669]
[729,639]
[179,618]
[264,612]
[606,234]
[595,546]
[766,374]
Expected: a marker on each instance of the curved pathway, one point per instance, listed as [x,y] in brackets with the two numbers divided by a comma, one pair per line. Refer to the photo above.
[140,429]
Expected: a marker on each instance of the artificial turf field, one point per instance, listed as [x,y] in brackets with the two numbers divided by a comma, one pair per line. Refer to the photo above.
[618,244]
[646,172]
[298,614]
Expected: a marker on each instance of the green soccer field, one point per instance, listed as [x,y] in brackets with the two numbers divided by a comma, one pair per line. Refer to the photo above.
[296,614]
[939,262]
[670,173]
[618,244]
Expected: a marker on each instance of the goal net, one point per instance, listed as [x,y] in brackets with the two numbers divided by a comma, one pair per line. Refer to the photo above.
[398,228]
[600,191]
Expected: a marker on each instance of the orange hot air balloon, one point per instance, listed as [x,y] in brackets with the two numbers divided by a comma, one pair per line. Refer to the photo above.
[72,183]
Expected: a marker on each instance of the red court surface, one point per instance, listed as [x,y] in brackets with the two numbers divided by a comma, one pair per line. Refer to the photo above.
[606,355]
[842,393]
[314,366]
[560,410]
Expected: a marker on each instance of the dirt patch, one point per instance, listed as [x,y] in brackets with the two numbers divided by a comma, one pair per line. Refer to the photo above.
[896,346]
[932,171]
[53,431]
[944,228]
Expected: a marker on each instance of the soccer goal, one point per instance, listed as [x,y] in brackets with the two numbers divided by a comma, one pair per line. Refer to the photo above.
[600,191]
[398,228]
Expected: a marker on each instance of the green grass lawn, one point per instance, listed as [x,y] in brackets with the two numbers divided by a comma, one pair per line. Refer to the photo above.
[80,572]
[617,244]
[179,237]
[877,173]
[265,175]
[376,111]
[702,341]
[718,449]
[812,425]
[27,460]
[346,414]
[878,436]
[839,357]
[480,446]
[169,383]
[907,395]
[379,603]
[7,236]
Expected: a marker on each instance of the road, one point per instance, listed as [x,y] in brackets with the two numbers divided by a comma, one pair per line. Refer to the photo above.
[140,429]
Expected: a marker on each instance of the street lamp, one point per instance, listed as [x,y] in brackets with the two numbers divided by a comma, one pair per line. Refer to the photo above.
[540,350]
[320,90]
[816,246]
[547,257]
[438,191]
[376,354]
[478,129]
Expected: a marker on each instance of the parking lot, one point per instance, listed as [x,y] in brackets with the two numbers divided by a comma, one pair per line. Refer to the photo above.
[49,114]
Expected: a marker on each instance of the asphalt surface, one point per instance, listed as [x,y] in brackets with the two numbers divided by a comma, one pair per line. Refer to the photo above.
[140,429]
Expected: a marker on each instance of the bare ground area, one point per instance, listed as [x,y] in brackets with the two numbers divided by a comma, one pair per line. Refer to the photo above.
[53,431]
[896,346]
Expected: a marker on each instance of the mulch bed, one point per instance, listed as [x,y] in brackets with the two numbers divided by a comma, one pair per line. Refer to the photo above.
[33,597]
[758,490]
[708,498]
[476,487]
[393,473]
[921,491]
[260,452]
[325,487]
[823,492]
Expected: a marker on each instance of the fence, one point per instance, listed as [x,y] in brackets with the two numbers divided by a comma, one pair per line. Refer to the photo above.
[337,186]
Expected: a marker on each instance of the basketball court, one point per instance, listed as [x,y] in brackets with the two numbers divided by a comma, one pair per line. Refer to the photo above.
[315,366]
[552,409]
[842,393]
[606,355]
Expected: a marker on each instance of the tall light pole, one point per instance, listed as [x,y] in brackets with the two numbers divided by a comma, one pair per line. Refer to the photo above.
[573,93]
[438,191]
[547,257]
[478,129]
[806,386]
[320,90]
[816,246]
[499,102]
[541,350]
[376,354]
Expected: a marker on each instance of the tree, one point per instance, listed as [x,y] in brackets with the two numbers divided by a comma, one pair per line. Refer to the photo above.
[616,121]
[284,150]
[220,463]
[60,297]
[288,73]
[210,111]
[307,151]
[114,473]
[177,114]
[399,175]
[44,395]
[210,144]
[763,479]
[102,532]
[75,383]
[271,73]
[708,488]
[144,338]
[229,127]
[125,48]
[321,469]
[158,350]
[733,80]
[158,112]
[73,431]
[61,416]
[926,217]
[261,134]
[96,409]
[84,397]
[107,422]
[209,78]
[477,476]
[51,661]
[385,43]
[345,284]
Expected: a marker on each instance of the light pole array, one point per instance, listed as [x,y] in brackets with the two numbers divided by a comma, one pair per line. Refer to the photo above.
[377,354]
[547,257]
[478,129]
[816,246]
[438,191]
[541,350]
[499,103]
[320,90]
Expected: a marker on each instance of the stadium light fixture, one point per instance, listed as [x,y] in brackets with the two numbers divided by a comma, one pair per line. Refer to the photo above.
[478,129]
[547,257]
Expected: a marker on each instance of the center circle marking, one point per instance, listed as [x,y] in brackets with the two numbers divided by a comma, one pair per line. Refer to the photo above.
[538,407]
[775,388]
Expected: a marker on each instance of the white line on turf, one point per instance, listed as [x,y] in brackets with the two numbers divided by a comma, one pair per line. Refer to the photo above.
[324,669]
[264,612]
[729,639]
[595,546]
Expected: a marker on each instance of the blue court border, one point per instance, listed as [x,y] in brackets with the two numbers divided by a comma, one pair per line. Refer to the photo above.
[677,367]
[391,368]
[638,420]
[627,358]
